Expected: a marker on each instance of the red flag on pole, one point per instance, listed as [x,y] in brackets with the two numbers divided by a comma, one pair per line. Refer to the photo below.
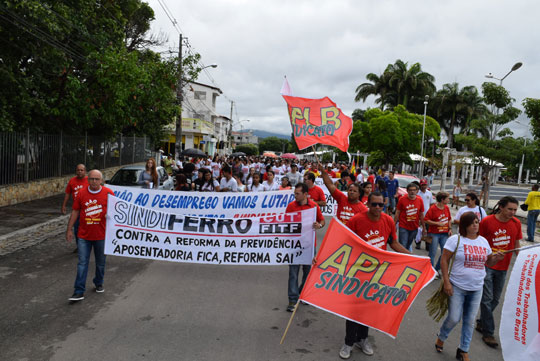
[363,283]
[316,121]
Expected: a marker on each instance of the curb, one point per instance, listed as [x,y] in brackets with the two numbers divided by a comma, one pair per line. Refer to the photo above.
[30,236]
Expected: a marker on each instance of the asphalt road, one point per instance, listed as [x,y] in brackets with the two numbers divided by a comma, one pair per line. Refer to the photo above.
[154,310]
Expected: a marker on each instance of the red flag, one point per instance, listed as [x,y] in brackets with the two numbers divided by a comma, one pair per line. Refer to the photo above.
[318,121]
[362,283]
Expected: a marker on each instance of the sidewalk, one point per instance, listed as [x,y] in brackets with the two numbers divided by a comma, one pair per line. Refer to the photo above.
[26,224]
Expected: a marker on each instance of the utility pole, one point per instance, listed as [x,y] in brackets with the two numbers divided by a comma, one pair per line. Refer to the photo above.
[179,99]
[230,128]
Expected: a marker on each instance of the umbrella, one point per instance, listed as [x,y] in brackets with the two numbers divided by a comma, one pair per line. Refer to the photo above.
[269,154]
[289,156]
[238,154]
[193,152]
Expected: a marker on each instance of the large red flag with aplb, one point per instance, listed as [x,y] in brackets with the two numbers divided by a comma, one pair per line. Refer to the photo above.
[316,121]
[362,283]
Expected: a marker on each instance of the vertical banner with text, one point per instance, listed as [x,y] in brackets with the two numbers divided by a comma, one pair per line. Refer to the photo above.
[520,325]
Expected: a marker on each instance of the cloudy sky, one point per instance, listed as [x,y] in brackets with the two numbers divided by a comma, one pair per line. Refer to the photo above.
[326,48]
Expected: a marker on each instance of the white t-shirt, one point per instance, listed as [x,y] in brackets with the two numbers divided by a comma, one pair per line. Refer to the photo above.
[469,270]
[270,187]
[294,178]
[427,198]
[479,211]
[208,187]
[231,184]
[215,169]
[252,188]
[245,172]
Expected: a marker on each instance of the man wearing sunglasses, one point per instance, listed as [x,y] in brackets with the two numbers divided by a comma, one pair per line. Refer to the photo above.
[377,229]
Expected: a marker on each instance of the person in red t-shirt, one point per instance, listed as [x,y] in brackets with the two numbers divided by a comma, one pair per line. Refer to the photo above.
[377,229]
[503,232]
[410,214]
[91,205]
[348,205]
[301,202]
[438,219]
[315,193]
[73,187]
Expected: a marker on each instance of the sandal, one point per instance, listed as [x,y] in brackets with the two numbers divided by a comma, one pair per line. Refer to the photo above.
[439,345]
[462,355]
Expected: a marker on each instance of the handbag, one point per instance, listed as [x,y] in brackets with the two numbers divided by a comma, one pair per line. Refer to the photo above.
[437,304]
[524,207]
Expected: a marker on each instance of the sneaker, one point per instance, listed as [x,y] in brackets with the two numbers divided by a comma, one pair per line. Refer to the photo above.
[365,346]
[418,246]
[100,289]
[345,351]
[490,341]
[291,306]
[77,297]
[304,303]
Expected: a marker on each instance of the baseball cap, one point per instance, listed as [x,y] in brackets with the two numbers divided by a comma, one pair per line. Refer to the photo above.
[423,181]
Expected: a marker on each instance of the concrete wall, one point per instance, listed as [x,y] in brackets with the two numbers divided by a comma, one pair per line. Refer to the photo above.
[24,192]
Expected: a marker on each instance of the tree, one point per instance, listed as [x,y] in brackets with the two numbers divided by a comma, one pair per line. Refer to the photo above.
[249,149]
[391,135]
[398,84]
[407,82]
[378,86]
[499,146]
[83,66]
[532,110]
[274,144]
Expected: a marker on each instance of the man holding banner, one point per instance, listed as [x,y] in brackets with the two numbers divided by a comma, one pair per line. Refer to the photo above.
[91,203]
[503,232]
[377,229]
[300,203]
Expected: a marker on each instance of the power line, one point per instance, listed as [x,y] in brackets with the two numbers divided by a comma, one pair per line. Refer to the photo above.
[43,36]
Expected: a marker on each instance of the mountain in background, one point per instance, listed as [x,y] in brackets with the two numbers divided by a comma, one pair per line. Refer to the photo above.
[265,134]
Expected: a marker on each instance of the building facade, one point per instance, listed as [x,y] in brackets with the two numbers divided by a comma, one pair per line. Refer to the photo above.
[246,137]
[202,127]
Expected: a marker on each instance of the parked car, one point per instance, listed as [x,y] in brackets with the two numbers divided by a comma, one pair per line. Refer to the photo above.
[129,175]
[404,180]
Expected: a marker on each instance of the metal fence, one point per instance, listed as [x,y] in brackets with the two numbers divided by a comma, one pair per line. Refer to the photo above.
[25,157]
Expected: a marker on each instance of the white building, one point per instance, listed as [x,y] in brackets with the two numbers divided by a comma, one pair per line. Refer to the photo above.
[202,127]
[244,138]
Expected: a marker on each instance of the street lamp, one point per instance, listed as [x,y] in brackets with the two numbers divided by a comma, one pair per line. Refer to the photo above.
[514,68]
[426,98]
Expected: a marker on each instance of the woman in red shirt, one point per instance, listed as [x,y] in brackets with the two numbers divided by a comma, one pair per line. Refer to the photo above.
[438,219]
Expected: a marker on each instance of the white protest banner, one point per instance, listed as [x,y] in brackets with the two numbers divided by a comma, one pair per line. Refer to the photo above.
[520,326]
[212,204]
[141,232]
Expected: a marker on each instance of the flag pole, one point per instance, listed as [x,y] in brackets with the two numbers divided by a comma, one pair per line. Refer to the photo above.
[290,321]
[315,154]
[521,248]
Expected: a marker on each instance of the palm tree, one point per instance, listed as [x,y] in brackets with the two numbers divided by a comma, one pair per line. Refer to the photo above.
[449,102]
[474,107]
[378,86]
[407,82]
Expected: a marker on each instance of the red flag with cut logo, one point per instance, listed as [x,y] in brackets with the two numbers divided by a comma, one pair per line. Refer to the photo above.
[363,283]
[316,121]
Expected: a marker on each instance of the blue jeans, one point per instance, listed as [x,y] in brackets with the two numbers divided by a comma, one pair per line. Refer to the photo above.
[294,290]
[407,237]
[85,247]
[493,287]
[391,202]
[437,239]
[532,216]
[76,230]
[461,303]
